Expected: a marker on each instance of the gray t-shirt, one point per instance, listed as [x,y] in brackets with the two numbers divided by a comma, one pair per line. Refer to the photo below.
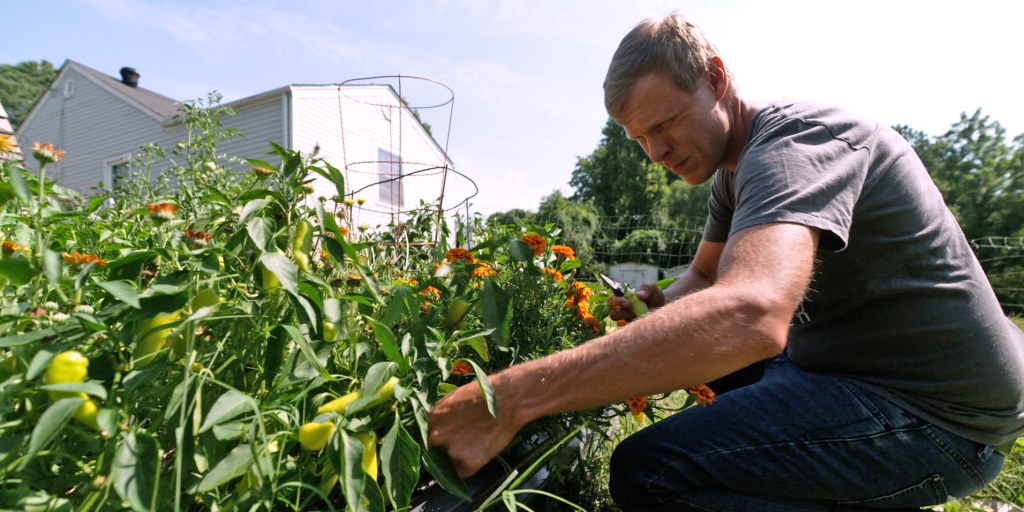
[898,302]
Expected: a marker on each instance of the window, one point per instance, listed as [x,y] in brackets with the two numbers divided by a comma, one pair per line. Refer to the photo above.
[389,172]
[116,172]
[69,88]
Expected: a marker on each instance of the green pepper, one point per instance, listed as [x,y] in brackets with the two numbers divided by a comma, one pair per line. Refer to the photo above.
[154,336]
[302,243]
[638,306]
[339,404]
[314,435]
[69,368]
[457,310]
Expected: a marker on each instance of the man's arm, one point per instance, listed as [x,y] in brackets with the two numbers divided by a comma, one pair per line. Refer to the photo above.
[701,274]
[742,318]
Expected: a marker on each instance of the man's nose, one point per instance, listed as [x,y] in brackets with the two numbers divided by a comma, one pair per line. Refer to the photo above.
[657,150]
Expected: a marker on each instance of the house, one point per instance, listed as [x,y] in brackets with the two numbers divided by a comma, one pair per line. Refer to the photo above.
[367,131]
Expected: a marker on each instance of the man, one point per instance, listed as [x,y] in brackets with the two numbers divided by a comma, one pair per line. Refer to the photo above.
[900,382]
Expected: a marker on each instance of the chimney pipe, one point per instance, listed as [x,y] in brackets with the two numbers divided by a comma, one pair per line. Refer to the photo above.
[129,77]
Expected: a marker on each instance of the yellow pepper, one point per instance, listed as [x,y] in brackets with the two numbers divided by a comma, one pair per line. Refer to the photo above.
[382,395]
[302,243]
[638,306]
[68,368]
[369,441]
[314,436]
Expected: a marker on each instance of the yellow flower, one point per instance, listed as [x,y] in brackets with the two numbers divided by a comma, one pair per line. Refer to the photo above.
[7,144]
[46,153]
[536,242]
[563,251]
[703,393]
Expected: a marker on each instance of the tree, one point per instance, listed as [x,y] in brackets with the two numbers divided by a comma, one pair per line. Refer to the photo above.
[619,179]
[21,85]
[579,222]
[980,173]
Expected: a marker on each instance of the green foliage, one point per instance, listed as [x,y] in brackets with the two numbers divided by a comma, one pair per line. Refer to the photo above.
[22,84]
[618,178]
[210,343]
[579,222]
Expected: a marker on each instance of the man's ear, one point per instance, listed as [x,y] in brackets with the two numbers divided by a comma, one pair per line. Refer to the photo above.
[717,77]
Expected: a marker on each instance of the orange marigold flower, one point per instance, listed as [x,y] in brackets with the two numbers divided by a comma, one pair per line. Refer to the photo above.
[552,273]
[431,293]
[7,144]
[703,393]
[536,242]
[482,270]
[261,171]
[578,293]
[458,253]
[161,212]
[621,323]
[324,255]
[46,153]
[563,251]
[461,368]
[344,231]
[197,239]
[78,259]
[10,248]
[637,406]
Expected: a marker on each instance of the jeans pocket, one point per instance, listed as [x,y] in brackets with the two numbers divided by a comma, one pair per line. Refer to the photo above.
[931,491]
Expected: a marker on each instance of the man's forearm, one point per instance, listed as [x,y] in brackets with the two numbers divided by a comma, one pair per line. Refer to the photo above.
[691,280]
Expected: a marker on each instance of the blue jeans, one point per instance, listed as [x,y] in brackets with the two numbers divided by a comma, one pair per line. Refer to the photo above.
[796,441]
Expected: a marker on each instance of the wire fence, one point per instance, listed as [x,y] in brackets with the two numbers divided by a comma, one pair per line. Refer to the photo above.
[670,244]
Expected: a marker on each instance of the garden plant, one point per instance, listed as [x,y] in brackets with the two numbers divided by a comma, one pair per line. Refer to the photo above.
[213,337]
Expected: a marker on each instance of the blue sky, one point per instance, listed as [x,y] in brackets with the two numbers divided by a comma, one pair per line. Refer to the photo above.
[526,75]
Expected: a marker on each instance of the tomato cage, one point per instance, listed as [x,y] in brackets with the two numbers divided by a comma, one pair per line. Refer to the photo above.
[395,132]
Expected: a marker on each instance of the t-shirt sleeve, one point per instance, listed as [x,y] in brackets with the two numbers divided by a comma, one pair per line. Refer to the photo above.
[801,173]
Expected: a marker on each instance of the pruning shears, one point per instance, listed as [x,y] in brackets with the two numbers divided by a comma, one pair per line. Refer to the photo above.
[617,288]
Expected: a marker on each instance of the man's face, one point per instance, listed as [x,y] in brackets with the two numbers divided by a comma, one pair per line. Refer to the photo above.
[686,133]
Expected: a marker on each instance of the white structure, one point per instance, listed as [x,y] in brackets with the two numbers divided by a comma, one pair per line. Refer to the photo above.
[634,274]
[365,130]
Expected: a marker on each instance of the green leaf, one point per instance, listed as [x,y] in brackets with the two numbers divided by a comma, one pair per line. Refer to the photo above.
[232,466]
[17,179]
[376,376]
[230,404]
[135,257]
[306,349]
[135,471]
[497,311]
[388,343]
[400,465]
[51,422]
[92,387]
[260,230]
[485,387]
[273,356]
[52,264]
[252,208]
[520,251]
[123,291]
[284,269]
[17,340]
[441,467]
[17,270]
[352,476]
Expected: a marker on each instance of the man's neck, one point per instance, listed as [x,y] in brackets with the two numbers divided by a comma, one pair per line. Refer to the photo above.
[741,115]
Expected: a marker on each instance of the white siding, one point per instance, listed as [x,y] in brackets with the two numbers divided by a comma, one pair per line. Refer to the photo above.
[260,122]
[91,126]
[351,128]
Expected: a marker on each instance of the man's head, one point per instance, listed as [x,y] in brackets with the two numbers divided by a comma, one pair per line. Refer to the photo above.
[673,45]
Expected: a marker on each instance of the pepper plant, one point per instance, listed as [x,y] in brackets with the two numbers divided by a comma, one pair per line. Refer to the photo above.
[243,346]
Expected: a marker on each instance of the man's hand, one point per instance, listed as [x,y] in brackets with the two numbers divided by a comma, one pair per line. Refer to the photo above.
[461,424]
[622,309]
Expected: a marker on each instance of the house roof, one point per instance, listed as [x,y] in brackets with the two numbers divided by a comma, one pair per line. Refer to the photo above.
[158,104]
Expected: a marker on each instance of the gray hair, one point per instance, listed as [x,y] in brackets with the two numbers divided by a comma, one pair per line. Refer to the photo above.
[673,45]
